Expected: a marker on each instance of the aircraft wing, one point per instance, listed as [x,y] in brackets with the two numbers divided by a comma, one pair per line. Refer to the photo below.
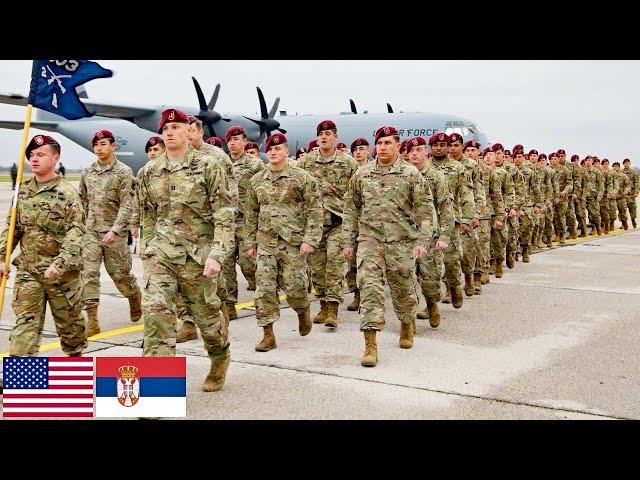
[102,109]
[19,125]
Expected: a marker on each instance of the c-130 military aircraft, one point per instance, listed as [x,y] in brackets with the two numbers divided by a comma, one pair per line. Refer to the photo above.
[133,125]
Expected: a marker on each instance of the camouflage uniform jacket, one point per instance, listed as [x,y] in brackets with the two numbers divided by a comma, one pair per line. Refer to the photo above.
[634,181]
[227,165]
[576,176]
[136,210]
[623,182]
[479,197]
[244,168]
[442,199]
[389,204]
[187,208]
[519,189]
[531,195]
[545,182]
[460,187]
[601,180]
[565,180]
[107,196]
[493,193]
[505,181]
[333,175]
[284,204]
[49,227]
[593,186]
[613,183]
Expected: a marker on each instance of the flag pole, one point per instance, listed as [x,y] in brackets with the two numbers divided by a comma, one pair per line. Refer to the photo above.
[14,205]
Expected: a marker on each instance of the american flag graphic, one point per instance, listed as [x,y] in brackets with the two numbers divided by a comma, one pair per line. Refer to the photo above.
[47,387]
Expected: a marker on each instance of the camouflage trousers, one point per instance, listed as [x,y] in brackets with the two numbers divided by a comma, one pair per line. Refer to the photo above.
[570,215]
[604,211]
[546,225]
[611,205]
[498,242]
[581,217]
[117,261]
[164,282]
[526,226]
[31,294]
[622,209]
[395,260]
[632,206]
[561,217]
[470,246]
[593,207]
[484,246]
[280,266]
[513,229]
[352,283]
[327,265]
[452,257]
[430,271]
[228,284]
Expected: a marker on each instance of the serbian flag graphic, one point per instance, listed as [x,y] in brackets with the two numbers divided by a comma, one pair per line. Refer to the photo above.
[141,387]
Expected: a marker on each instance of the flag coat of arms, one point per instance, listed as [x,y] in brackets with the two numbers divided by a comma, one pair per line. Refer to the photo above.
[47,387]
[141,387]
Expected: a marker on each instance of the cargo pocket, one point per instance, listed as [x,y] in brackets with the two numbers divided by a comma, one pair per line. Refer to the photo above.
[210,286]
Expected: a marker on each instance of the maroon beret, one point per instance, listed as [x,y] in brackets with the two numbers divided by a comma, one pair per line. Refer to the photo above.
[485,151]
[472,143]
[438,137]
[415,142]
[605,160]
[385,132]
[454,137]
[102,134]
[518,147]
[216,141]
[553,154]
[359,142]
[542,155]
[534,152]
[496,146]
[39,141]
[518,152]
[235,130]
[301,151]
[275,139]
[191,119]
[325,125]
[249,145]
[341,145]
[575,157]
[153,141]
[172,115]
[561,152]
[312,144]
[507,152]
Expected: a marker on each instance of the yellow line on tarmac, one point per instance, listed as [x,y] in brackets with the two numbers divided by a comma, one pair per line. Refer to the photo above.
[122,331]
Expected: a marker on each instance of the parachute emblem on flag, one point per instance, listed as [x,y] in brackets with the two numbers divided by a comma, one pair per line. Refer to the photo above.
[128,386]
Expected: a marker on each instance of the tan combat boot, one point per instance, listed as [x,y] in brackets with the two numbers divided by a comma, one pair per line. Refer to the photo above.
[370,356]
[484,278]
[541,242]
[499,270]
[477,283]
[322,314]
[304,321]
[332,315]
[510,260]
[268,341]
[217,374]
[447,295]
[633,222]
[93,327]
[456,296]
[188,331]
[353,306]
[135,307]
[423,315]
[612,226]
[550,243]
[251,285]
[406,335]
[468,284]
[574,234]
[525,254]
[625,225]
[492,266]
[232,313]
[434,314]
[583,232]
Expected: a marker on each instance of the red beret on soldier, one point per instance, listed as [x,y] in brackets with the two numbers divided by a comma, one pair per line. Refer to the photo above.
[341,145]
[518,152]
[518,147]
[301,151]
[172,115]
[312,144]
[153,141]
[534,152]
[232,131]
[472,143]
[553,154]
[325,125]
[386,132]
[358,142]
[497,146]
[217,141]
[542,156]
[575,157]
[454,137]
[275,139]
[561,152]
[415,142]
[507,153]
[438,137]
[249,145]
[39,141]
[101,135]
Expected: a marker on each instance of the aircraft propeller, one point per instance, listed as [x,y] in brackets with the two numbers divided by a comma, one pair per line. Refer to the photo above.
[266,123]
[207,113]
[389,109]
[353,106]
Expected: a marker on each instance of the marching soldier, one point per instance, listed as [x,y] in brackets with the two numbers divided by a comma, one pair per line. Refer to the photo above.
[283,225]
[530,205]
[548,190]
[603,186]
[574,180]
[513,222]
[253,149]
[578,194]
[612,187]
[634,189]
[389,213]
[565,188]
[593,193]
[623,191]
[188,213]
[332,169]
[499,226]
[215,141]
[50,230]
[106,191]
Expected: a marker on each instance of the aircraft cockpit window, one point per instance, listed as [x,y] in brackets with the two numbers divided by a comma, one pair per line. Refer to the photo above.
[449,131]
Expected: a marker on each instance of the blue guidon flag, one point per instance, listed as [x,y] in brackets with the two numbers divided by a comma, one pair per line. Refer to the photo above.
[54,82]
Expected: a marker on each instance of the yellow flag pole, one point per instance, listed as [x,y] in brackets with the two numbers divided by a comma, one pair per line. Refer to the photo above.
[14,205]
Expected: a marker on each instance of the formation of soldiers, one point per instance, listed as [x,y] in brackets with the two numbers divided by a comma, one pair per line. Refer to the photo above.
[421,216]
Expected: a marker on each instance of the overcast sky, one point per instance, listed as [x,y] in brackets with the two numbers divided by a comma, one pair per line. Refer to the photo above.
[581,106]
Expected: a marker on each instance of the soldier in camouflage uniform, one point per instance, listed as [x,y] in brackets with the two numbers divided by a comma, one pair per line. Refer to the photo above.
[499,226]
[548,190]
[565,189]
[602,181]
[49,226]
[612,187]
[574,180]
[634,189]
[360,153]
[461,190]
[513,222]
[389,213]
[593,193]
[621,197]
[531,201]
[431,267]
[253,149]
[579,206]
[283,225]
[332,169]
[470,242]
[188,216]
[106,192]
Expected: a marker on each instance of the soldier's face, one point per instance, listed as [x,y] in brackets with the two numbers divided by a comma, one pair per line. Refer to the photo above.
[627,165]
[196,134]
[387,149]
[587,162]
[236,144]
[574,160]
[104,148]
[472,152]
[43,160]
[533,157]
[253,152]
[278,153]
[605,166]
[455,148]
[439,149]
[554,161]
[519,159]
[418,156]
[176,135]
[155,151]
[616,168]
[327,139]
[490,158]
[361,153]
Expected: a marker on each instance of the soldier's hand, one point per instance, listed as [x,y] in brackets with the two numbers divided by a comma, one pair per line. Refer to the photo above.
[52,273]
[512,213]
[348,252]
[3,270]
[441,245]
[574,196]
[475,222]
[306,249]
[109,238]
[536,210]
[419,252]
[211,267]
[464,228]
[134,232]
[252,253]
[521,213]
[497,224]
